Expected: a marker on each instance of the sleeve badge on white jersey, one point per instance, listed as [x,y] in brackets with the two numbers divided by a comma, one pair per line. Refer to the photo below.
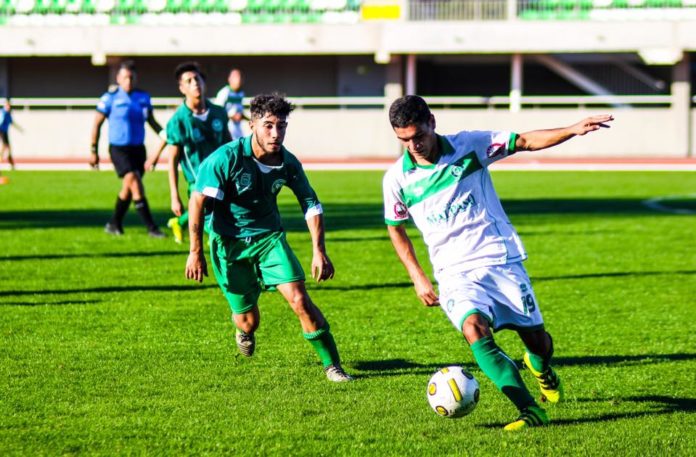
[495,149]
[400,209]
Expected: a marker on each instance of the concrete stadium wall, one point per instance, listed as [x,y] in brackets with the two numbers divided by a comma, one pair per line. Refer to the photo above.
[365,133]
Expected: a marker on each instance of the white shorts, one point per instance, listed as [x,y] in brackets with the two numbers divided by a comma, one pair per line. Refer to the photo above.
[503,294]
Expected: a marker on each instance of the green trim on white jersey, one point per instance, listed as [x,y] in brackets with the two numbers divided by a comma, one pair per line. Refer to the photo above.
[454,204]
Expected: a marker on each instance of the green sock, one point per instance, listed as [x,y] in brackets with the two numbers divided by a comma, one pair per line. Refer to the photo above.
[502,371]
[183,219]
[323,342]
[539,362]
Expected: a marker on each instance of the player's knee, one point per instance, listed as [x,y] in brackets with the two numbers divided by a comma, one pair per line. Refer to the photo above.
[475,327]
[300,303]
[246,322]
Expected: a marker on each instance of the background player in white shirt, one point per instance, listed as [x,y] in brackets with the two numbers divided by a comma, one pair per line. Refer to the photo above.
[442,182]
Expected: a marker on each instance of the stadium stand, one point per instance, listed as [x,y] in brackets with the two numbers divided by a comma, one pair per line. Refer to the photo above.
[176,12]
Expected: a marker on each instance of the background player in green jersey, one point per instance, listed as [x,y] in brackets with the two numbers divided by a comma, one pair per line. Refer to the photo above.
[231,97]
[442,182]
[197,128]
[248,248]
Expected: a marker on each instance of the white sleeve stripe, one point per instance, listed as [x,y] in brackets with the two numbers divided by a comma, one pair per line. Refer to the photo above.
[314,211]
[213,192]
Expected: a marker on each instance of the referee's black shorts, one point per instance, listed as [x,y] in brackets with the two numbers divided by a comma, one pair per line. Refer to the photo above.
[127,159]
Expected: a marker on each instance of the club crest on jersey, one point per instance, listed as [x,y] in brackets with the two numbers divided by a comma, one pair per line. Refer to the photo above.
[197,135]
[217,125]
[277,184]
[244,182]
[456,171]
[400,209]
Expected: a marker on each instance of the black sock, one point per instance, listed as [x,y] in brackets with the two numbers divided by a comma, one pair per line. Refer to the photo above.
[144,211]
[119,212]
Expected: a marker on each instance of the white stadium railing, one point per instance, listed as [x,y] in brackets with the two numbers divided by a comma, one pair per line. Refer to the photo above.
[372,102]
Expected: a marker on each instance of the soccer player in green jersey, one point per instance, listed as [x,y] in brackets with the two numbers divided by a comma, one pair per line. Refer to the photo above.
[197,128]
[442,182]
[248,248]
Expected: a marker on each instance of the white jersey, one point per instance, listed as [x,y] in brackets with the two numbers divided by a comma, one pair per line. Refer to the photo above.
[453,202]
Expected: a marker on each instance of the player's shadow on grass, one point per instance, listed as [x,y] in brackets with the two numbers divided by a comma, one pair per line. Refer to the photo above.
[656,404]
[339,216]
[621,359]
[399,367]
[52,303]
[614,274]
[359,287]
[83,255]
[107,289]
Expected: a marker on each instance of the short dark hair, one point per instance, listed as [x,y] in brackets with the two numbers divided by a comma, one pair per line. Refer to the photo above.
[127,65]
[188,66]
[409,110]
[273,103]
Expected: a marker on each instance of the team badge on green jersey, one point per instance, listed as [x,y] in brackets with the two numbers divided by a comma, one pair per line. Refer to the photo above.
[277,184]
[244,180]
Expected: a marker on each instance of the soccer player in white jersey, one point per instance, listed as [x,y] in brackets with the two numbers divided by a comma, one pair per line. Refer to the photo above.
[442,183]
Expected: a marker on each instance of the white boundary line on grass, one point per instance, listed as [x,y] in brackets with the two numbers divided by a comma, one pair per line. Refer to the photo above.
[382,166]
[656,204]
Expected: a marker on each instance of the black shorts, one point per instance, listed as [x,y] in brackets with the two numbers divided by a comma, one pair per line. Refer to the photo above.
[127,159]
[5,138]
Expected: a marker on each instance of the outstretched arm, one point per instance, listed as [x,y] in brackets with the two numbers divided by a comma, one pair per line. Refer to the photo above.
[404,249]
[322,268]
[542,139]
[196,266]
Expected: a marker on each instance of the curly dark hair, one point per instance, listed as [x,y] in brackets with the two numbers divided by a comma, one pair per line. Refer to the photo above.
[273,103]
[188,66]
[409,110]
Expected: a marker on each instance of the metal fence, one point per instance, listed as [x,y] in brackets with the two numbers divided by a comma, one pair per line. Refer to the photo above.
[551,10]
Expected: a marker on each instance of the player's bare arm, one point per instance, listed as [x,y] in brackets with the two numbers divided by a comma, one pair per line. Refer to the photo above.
[174,155]
[322,268]
[99,119]
[151,163]
[196,266]
[542,139]
[404,249]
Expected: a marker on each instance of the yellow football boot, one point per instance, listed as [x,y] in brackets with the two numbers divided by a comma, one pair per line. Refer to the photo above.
[529,417]
[178,234]
[549,382]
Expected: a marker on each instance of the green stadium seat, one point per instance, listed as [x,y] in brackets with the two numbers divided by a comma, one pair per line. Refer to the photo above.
[273,5]
[294,5]
[203,6]
[255,6]
[88,7]
[309,17]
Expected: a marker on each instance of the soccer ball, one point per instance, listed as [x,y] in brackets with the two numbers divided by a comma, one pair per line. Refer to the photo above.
[452,392]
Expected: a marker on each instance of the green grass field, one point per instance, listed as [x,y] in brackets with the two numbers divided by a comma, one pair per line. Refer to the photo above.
[106,349]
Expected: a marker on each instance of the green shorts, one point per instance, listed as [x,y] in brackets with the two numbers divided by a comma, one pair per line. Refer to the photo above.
[244,267]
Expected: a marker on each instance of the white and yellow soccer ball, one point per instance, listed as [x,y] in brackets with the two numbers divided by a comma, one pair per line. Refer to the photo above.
[453,392]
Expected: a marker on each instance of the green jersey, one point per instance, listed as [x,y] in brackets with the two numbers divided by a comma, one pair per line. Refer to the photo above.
[246,190]
[198,136]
